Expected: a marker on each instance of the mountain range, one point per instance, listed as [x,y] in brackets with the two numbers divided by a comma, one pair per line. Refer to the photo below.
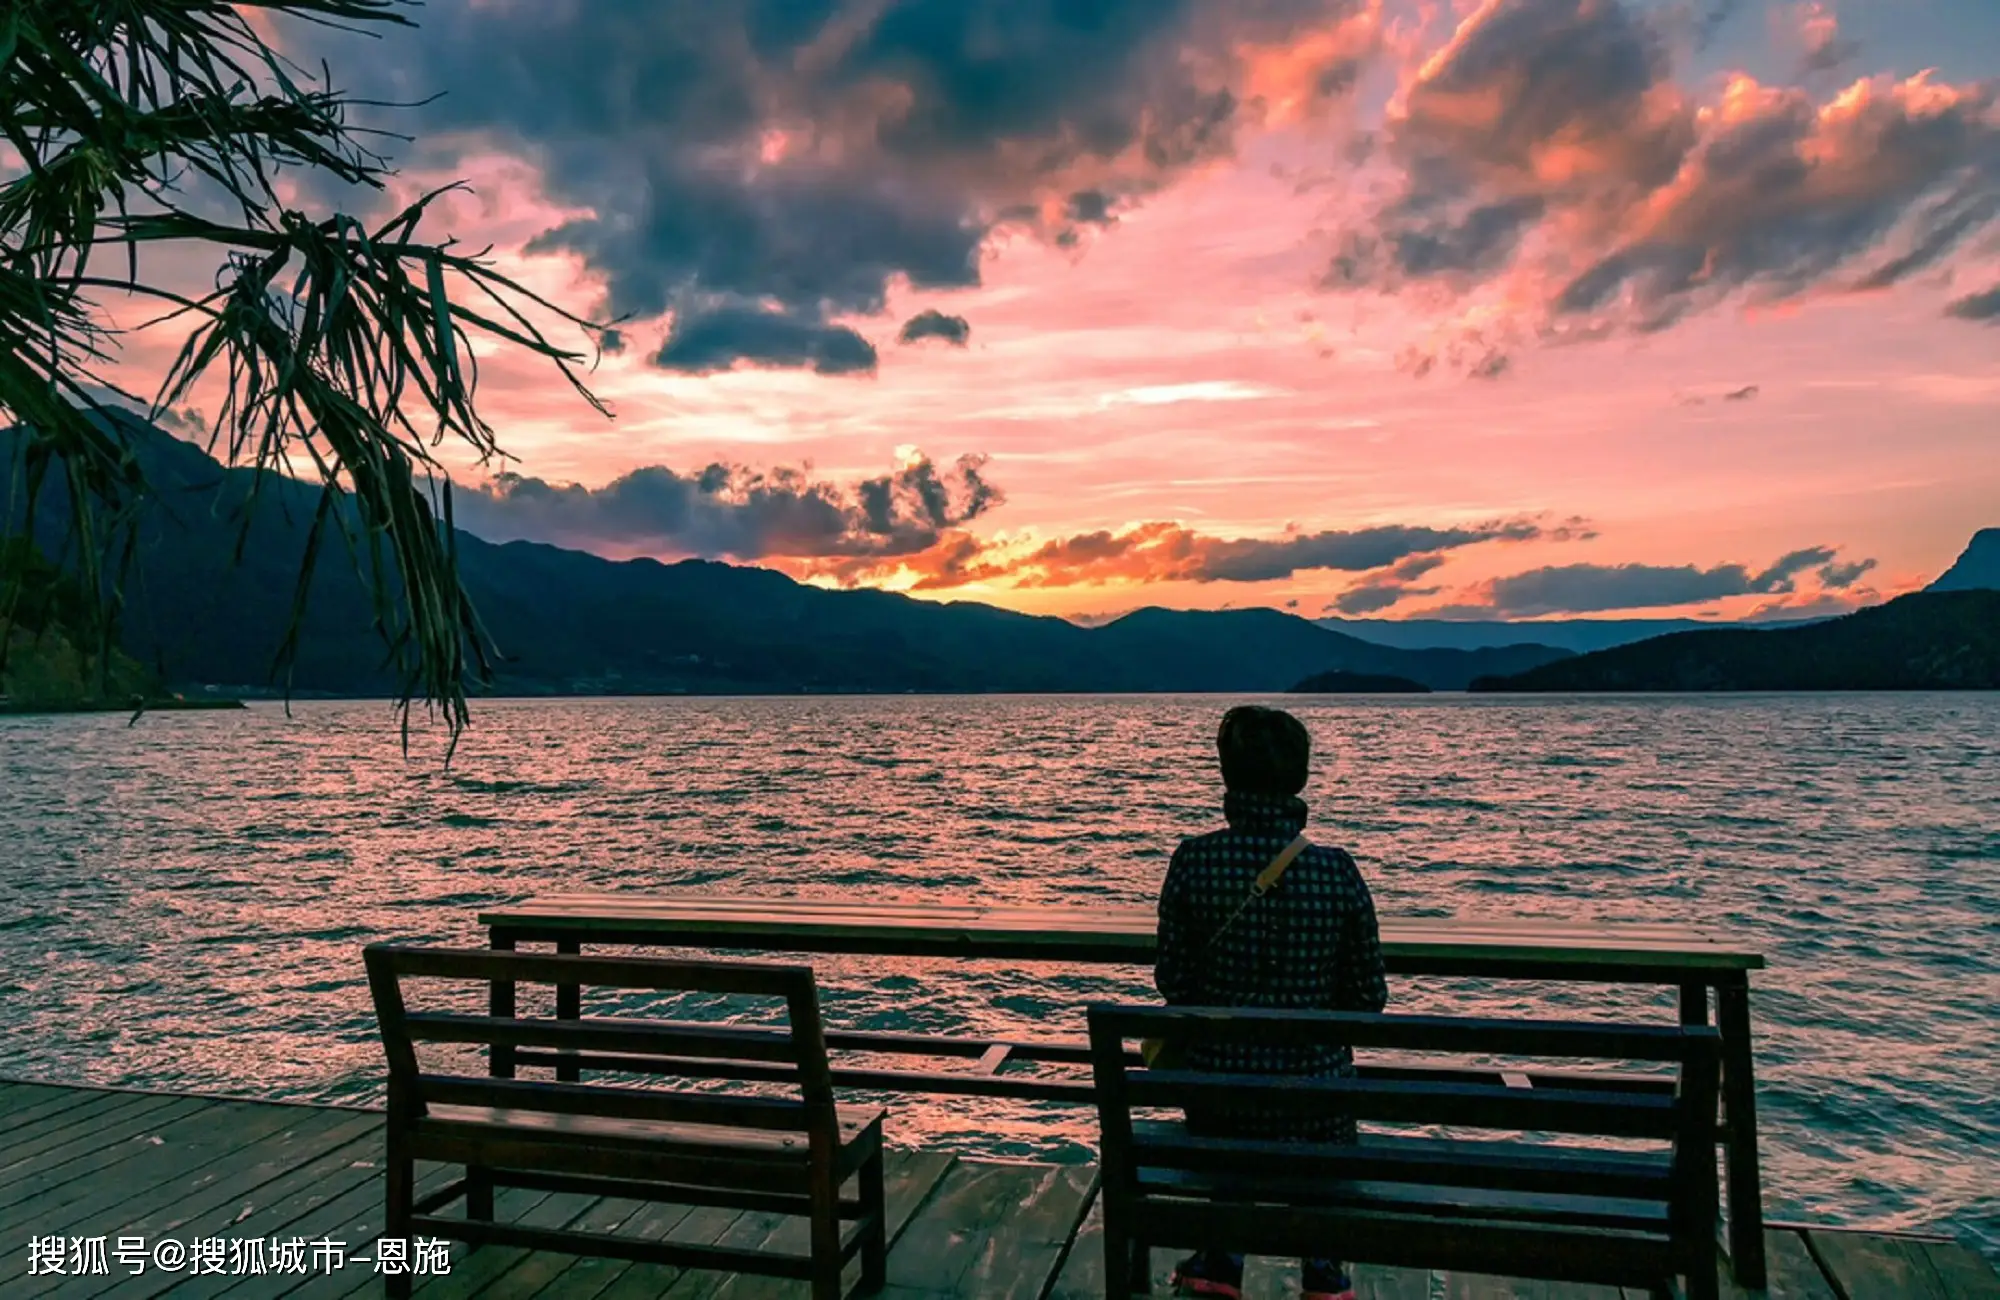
[1578,635]
[1977,569]
[199,614]
[1925,641]
[568,622]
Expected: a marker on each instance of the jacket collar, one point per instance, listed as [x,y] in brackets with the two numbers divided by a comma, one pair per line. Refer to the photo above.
[1268,814]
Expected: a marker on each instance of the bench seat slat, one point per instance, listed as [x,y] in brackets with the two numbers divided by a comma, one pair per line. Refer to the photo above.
[1504,1166]
[1618,1214]
[670,1106]
[1462,1034]
[612,1131]
[1549,1110]
[638,1037]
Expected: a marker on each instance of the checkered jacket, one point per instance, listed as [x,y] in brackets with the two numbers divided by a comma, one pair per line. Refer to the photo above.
[1310,943]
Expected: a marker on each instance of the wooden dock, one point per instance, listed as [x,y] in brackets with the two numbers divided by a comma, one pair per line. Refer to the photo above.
[211,1175]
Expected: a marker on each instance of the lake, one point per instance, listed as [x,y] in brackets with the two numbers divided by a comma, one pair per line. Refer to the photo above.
[182,902]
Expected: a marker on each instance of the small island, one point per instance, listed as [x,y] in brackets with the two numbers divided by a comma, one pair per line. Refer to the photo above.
[1341,682]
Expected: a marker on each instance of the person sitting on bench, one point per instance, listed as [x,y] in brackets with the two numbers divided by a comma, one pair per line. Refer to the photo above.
[1309,941]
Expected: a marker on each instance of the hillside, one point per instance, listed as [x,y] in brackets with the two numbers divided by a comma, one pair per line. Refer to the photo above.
[42,664]
[1978,569]
[1579,635]
[572,623]
[1923,641]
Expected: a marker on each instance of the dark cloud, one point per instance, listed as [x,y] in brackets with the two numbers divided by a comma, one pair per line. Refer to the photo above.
[1573,529]
[187,421]
[1823,605]
[1470,352]
[1595,588]
[1711,18]
[1386,587]
[934,324]
[731,510]
[1090,208]
[1747,393]
[612,341]
[1260,560]
[798,156]
[1825,48]
[1167,552]
[1979,306]
[1839,577]
[1551,147]
[703,342]
[1371,599]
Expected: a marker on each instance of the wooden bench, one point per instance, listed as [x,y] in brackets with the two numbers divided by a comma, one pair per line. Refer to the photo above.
[1557,1211]
[1696,961]
[782,1155]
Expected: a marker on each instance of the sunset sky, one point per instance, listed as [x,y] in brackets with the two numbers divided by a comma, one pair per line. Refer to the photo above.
[1520,308]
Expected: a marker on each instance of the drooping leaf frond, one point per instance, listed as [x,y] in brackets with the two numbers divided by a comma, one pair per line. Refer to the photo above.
[336,347]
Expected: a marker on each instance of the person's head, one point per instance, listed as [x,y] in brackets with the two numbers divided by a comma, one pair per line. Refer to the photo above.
[1264,751]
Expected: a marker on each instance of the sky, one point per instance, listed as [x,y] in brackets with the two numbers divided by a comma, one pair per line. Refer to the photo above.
[1523,308]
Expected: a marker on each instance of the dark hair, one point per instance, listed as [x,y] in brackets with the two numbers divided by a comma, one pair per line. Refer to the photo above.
[1264,751]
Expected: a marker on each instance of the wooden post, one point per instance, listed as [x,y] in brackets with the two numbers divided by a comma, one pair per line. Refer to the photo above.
[823,1136]
[569,1006]
[499,1003]
[874,1214]
[1127,1254]
[1694,1154]
[1739,1103]
[405,1104]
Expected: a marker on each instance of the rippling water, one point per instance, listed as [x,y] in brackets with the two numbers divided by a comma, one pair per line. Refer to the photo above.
[182,903]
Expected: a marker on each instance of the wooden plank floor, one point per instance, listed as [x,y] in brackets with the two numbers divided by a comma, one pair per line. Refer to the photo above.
[83,1163]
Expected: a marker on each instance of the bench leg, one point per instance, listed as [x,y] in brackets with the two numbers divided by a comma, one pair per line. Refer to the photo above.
[825,1206]
[875,1217]
[1739,1105]
[401,1177]
[479,1193]
[1128,1263]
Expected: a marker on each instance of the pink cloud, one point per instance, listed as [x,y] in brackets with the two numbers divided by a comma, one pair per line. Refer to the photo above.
[1556,181]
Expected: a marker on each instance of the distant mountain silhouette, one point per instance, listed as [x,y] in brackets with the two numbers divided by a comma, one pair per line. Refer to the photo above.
[1978,569]
[1580,635]
[1945,640]
[572,623]
[1343,683]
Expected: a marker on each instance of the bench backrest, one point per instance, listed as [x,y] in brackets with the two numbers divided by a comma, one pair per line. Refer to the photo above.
[617,1045]
[1683,1119]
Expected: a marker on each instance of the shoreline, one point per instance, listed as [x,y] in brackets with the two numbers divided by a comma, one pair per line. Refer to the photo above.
[128,706]
[247,698]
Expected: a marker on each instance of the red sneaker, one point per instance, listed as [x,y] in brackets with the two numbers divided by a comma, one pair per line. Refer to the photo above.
[1323,1283]
[1204,1275]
